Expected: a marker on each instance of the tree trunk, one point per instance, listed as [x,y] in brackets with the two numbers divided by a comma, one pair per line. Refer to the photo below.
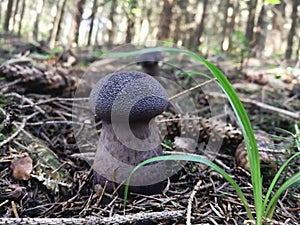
[298,54]
[112,20]
[1,10]
[39,9]
[236,7]
[77,15]
[57,23]
[251,19]
[178,32]
[130,22]
[225,33]
[229,26]
[292,31]
[16,12]
[259,38]
[165,20]
[61,13]
[23,6]
[276,34]
[8,15]
[188,32]
[200,28]
[92,18]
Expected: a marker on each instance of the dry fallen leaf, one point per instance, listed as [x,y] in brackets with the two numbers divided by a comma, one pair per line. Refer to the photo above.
[185,143]
[21,168]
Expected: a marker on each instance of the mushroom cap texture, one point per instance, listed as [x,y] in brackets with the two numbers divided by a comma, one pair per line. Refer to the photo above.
[128,94]
[149,57]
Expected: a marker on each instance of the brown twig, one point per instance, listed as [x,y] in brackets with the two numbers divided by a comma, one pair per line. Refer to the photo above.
[190,202]
[282,112]
[25,99]
[9,84]
[20,128]
[191,89]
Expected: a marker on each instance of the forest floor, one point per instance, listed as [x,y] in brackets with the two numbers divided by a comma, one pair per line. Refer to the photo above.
[44,174]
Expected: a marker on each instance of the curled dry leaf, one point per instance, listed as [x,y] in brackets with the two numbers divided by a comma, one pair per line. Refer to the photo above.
[185,143]
[21,168]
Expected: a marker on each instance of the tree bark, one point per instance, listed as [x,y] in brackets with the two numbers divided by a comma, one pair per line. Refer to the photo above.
[165,20]
[292,31]
[77,15]
[200,28]
[8,15]
[251,19]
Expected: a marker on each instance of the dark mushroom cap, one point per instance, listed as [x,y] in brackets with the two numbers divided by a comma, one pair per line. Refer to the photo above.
[149,57]
[128,94]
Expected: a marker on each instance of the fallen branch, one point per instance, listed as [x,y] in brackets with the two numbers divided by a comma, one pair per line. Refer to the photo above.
[117,219]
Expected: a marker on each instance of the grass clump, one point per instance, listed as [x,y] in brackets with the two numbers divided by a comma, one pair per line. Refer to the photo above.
[264,208]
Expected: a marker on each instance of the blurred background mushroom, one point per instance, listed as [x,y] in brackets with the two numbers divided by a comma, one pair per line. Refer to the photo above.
[149,62]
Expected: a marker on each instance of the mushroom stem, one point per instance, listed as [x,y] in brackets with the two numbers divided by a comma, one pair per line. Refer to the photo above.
[107,166]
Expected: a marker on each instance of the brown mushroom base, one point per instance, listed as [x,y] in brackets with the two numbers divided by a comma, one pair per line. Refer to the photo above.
[114,162]
[111,187]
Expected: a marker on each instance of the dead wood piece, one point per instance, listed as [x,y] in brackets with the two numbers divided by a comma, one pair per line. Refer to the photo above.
[117,219]
[37,81]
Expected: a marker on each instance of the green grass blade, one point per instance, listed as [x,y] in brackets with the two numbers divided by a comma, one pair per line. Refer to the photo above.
[289,183]
[275,179]
[246,127]
[192,158]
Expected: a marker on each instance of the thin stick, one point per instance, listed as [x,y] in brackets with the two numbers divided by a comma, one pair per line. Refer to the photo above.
[294,115]
[56,122]
[10,84]
[190,202]
[20,128]
[191,89]
[26,100]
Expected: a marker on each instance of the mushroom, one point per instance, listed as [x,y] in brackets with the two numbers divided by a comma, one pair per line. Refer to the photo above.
[149,62]
[127,102]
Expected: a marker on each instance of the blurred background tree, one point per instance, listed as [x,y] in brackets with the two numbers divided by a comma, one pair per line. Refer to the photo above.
[211,27]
